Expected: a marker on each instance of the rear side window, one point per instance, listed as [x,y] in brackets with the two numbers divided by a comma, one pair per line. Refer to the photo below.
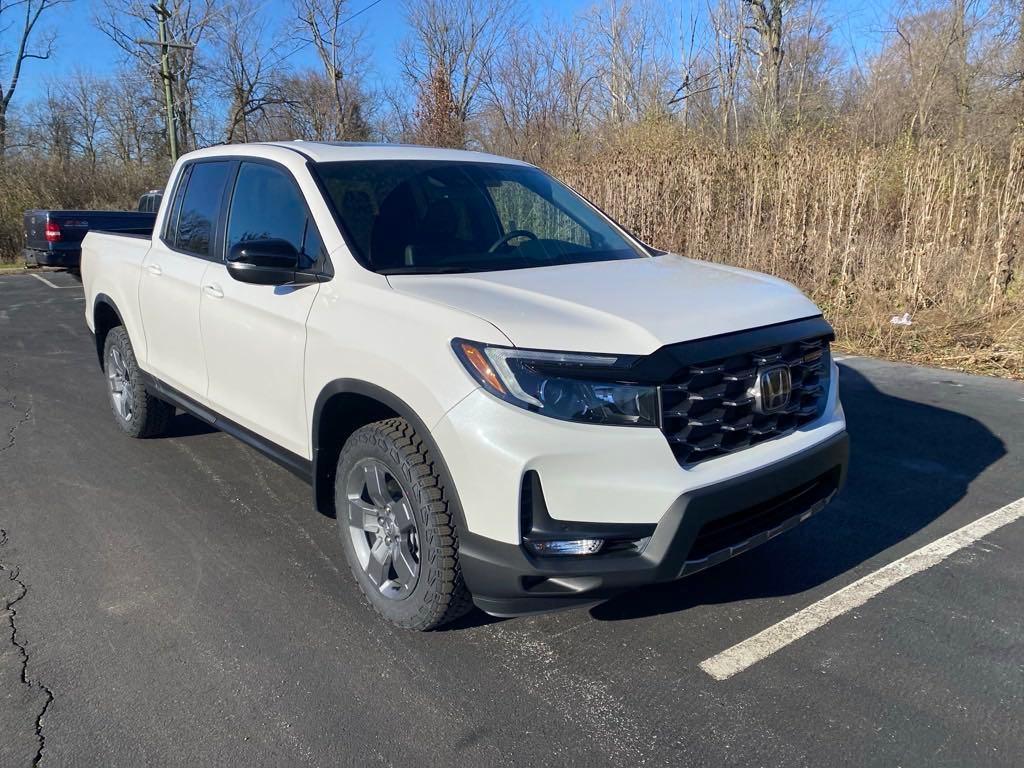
[268,205]
[171,224]
[200,205]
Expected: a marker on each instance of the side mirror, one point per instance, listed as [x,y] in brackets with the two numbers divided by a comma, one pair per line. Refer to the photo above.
[266,262]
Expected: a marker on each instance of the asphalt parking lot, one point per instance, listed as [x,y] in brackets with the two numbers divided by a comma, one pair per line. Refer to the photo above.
[177,602]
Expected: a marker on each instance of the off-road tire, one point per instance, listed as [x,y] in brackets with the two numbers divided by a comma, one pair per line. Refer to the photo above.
[150,415]
[440,595]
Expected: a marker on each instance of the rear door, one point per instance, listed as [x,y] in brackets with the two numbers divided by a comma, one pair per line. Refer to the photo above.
[172,274]
[255,335]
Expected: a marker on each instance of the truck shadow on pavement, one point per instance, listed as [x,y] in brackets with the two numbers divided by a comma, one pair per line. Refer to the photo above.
[186,425]
[909,464]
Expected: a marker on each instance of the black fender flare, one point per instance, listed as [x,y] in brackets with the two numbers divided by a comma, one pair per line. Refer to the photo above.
[321,474]
[103,299]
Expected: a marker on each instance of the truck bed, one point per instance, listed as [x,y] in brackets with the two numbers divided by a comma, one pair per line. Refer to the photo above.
[120,257]
[63,246]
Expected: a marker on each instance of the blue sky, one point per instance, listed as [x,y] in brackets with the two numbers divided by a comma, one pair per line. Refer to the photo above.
[81,45]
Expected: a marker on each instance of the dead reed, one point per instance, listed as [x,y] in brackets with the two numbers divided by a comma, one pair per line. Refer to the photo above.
[869,233]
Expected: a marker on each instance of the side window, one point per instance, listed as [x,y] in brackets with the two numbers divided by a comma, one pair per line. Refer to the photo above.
[200,207]
[267,205]
[171,222]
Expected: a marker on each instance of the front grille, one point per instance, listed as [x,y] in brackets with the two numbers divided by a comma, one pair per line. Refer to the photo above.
[708,409]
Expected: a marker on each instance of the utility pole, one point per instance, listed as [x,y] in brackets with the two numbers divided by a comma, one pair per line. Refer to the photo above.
[164,44]
[165,75]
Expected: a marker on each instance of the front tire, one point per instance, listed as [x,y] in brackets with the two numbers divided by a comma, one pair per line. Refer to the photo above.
[396,527]
[137,412]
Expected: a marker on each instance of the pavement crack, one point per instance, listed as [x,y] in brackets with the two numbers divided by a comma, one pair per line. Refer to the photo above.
[13,431]
[12,402]
[9,612]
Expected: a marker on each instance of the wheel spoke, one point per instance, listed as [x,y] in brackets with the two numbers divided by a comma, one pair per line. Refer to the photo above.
[363,515]
[403,515]
[379,565]
[405,564]
[376,484]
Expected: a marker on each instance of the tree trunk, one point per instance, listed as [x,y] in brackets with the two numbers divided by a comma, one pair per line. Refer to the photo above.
[775,54]
[962,86]
[767,21]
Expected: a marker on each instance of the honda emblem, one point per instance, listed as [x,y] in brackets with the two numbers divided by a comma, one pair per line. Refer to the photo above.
[773,389]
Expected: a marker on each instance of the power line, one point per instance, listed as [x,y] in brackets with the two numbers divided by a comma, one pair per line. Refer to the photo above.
[364,10]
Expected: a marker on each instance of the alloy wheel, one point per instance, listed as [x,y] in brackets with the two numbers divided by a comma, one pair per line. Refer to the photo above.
[119,379]
[383,529]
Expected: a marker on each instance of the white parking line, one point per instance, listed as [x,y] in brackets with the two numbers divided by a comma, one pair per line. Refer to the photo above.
[754,649]
[43,280]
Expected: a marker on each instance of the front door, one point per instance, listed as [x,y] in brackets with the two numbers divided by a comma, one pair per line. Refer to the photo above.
[254,336]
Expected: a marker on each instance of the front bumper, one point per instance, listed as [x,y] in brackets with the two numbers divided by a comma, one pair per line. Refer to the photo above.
[701,528]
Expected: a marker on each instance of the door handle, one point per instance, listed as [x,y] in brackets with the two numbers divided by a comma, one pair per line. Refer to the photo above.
[214,290]
[155,270]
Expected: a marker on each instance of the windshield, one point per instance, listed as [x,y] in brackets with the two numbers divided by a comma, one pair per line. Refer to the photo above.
[424,216]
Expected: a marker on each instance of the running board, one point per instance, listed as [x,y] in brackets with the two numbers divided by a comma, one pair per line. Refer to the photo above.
[298,466]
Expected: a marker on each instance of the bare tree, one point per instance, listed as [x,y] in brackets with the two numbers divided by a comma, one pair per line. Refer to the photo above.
[127,21]
[327,26]
[453,44]
[811,67]
[575,77]
[308,110]
[927,39]
[27,14]
[728,20]
[966,19]
[131,125]
[711,55]
[50,128]
[766,21]
[83,95]
[246,65]
[628,39]
[696,79]
[519,98]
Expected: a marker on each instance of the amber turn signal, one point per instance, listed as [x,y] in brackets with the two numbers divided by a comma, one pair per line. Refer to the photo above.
[480,364]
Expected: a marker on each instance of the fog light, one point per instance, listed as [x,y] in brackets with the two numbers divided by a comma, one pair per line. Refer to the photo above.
[566,547]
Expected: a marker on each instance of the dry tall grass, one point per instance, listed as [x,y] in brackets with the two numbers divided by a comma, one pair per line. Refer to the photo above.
[45,183]
[869,233]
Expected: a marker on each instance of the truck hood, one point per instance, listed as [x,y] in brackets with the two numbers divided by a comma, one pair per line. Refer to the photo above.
[633,306]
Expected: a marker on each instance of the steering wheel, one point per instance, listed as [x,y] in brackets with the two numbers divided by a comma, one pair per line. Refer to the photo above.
[508,236]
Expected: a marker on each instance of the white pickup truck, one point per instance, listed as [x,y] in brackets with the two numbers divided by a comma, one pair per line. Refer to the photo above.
[502,396]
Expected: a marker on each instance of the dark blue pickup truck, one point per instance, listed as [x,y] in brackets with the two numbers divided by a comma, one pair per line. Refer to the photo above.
[54,238]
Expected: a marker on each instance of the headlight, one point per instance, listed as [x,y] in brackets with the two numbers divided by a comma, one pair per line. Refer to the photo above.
[571,387]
